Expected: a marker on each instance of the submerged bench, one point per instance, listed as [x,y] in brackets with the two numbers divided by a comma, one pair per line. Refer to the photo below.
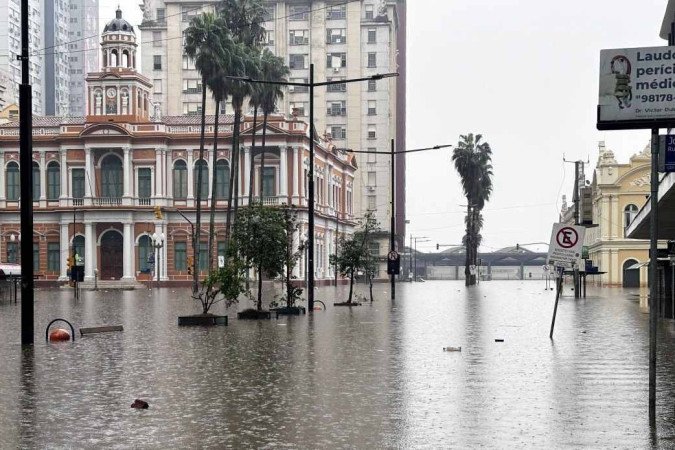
[107,329]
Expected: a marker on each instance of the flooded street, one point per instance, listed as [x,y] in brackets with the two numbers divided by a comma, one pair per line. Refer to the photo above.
[374,376]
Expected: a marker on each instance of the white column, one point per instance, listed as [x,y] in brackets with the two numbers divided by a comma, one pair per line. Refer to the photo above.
[88,176]
[128,249]
[89,251]
[190,175]
[283,175]
[43,178]
[127,172]
[64,251]
[64,175]
[247,171]
[159,175]
[296,174]
[168,173]
[2,179]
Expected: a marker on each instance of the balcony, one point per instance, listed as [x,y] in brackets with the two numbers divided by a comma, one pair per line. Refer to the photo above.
[108,201]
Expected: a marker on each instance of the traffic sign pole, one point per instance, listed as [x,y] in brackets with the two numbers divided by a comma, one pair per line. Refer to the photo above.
[392,243]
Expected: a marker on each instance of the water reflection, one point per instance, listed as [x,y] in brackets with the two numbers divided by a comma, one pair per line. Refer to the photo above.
[370,376]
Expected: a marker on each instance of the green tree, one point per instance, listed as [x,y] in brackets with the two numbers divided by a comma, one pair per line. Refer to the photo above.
[260,234]
[355,253]
[223,284]
[473,162]
[203,43]
[291,256]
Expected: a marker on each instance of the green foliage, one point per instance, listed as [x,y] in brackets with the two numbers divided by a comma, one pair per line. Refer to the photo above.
[473,162]
[291,258]
[354,251]
[261,237]
[223,284]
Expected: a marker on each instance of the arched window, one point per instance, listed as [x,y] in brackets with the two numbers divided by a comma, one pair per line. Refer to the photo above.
[13,189]
[222,179]
[113,58]
[111,177]
[200,165]
[180,180]
[125,58]
[144,254]
[629,213]
[36,181]
[53,181]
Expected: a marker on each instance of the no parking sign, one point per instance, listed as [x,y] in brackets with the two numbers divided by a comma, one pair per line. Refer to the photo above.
[566,244]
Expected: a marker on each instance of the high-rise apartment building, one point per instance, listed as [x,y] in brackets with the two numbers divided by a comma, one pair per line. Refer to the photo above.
[10,47]
[83,51]
[63,48]
[343,40]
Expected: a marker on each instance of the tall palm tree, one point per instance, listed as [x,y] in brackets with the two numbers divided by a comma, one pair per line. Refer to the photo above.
[254,102]
[473,162]
[203,44]
[272,68]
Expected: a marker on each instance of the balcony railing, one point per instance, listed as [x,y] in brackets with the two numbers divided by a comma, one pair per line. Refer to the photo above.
[143,201]
[108,201]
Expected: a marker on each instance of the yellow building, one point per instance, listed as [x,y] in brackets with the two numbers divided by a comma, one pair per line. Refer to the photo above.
[9,112]
[618,190]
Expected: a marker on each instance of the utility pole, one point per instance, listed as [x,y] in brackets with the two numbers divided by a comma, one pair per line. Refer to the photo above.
[653,276]
[578,170]
[392,237]
[26,173]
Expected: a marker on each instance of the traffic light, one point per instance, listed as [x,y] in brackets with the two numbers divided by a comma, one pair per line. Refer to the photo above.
[517,246]
[437,246]
[158,212]
[69,262]
[190,261]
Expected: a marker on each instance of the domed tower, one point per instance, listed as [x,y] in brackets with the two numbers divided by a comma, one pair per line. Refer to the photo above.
[118,93]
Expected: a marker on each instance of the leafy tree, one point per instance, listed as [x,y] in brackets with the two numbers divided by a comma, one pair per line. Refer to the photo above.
[473,162]
[291,258]
[223,284]
[260,233]
[354,252]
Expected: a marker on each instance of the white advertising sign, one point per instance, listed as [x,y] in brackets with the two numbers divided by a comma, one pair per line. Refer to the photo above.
[566,244]
[637,84]
[221,261]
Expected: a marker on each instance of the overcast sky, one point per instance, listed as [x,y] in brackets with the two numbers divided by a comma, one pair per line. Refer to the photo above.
[524,73]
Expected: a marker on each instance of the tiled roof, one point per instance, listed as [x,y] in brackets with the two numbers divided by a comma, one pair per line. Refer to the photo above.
[48,121]
[196,119]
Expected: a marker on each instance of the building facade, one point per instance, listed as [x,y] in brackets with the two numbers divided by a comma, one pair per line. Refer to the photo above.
[83,52]
[99,178]
[343,41]
[618,192]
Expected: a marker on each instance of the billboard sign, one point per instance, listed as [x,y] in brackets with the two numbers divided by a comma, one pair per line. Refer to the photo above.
[637,88]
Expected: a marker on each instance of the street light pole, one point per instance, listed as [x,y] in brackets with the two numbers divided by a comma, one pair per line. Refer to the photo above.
[310,203]
[26,172]
[158,243]
[392,237]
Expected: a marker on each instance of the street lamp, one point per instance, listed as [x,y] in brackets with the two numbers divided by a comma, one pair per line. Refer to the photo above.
[13,238]
[310,203]
[157,244]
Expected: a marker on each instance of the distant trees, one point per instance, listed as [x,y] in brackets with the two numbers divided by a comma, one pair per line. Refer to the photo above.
[473,161]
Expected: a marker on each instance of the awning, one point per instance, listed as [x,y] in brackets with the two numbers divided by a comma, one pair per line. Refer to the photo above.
[639,228]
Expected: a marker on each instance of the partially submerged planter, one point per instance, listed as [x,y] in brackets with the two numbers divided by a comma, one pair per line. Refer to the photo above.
[254,314]
[201,320]
[347,304]
[290,311]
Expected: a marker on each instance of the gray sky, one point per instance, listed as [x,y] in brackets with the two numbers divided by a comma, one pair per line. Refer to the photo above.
[524,73]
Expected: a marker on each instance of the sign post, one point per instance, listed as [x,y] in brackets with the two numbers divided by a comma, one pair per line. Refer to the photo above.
[564,251]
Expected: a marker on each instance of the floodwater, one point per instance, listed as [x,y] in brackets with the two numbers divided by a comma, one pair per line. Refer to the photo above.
[373,376]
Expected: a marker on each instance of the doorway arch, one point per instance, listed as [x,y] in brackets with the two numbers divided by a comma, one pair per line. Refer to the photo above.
[111,255]
[631,277]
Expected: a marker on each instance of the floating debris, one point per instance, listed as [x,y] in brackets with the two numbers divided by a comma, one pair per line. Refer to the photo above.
[499,340]
[452,349]
[140,404]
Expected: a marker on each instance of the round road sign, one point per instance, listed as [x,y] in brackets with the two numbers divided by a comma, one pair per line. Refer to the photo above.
[567,237]
[393,255]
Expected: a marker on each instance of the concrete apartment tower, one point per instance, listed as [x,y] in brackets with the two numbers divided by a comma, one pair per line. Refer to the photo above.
[343,40]
[83,51]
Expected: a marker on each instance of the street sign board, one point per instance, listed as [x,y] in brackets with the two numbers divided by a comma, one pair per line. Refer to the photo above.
[566,244]
[636,88]
[667,153]
[221,261]
[393,263]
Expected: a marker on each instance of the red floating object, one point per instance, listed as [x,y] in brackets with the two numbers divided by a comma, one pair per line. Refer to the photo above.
[59,335]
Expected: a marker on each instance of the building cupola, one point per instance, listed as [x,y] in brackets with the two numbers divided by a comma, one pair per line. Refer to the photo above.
[118,44]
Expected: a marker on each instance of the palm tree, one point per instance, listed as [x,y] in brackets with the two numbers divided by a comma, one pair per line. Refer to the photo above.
[254,101]
[473,162]
[203,44]
[272,68]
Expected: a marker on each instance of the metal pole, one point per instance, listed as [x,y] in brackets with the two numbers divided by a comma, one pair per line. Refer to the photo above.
[337,230]
[575,275]
[653,291]
[310,203]
[558,288]
[392,244]
[26,173]
[415,273]
[410,257]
